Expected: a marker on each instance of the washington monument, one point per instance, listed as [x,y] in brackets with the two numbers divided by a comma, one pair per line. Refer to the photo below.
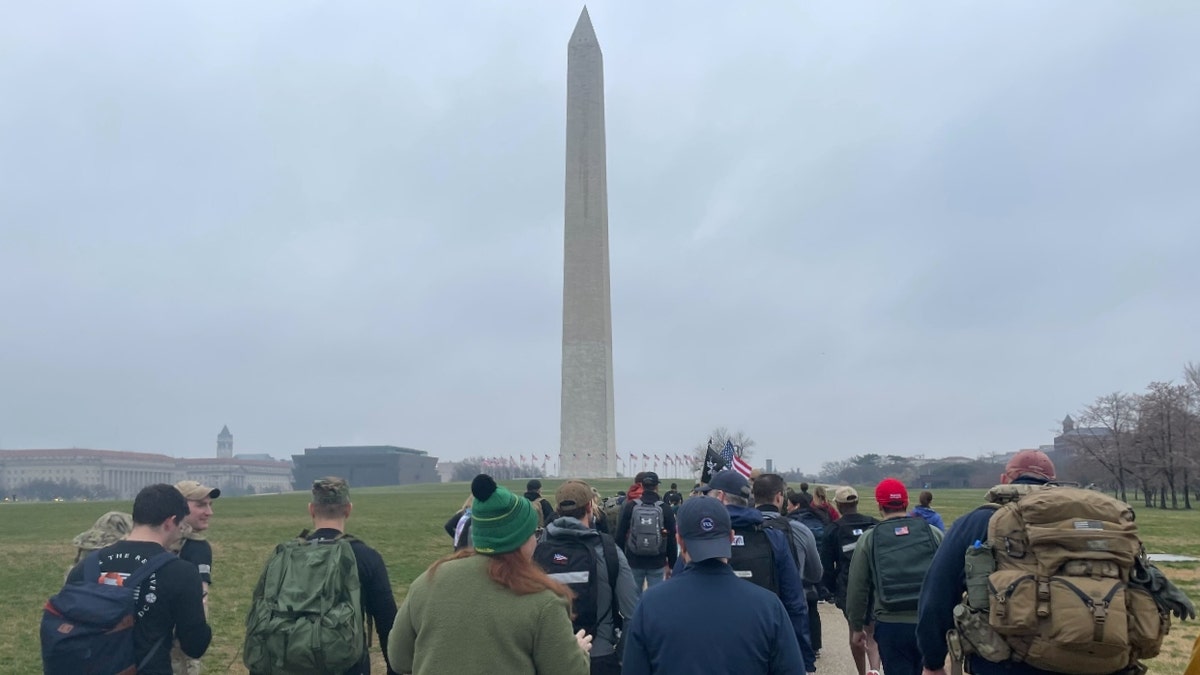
[587,448]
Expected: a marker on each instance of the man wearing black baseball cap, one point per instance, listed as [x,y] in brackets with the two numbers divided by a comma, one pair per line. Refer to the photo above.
[650,564]
[544,509]
[742,628]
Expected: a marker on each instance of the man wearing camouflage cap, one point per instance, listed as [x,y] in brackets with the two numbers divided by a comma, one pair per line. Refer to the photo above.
[194,548]
[329,508]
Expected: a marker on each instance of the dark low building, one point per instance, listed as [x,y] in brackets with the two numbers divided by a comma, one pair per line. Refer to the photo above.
[365,465]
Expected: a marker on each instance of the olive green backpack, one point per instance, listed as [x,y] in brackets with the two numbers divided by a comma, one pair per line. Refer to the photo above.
[306,617]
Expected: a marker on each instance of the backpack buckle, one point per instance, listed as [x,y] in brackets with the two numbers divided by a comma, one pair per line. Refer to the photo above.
[1043,598]
[1008,549]
[1099,617]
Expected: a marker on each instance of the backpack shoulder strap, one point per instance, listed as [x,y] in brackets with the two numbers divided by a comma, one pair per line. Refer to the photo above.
[91,567]
[150,567]
[611,561]
[613,564]
[785,526]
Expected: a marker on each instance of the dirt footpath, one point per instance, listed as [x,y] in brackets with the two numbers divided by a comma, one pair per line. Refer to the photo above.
[835,642]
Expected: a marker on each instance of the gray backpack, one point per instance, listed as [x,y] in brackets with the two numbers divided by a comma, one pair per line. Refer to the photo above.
[646,534]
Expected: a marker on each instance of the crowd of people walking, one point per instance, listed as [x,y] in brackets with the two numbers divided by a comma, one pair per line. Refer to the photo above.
[729,580]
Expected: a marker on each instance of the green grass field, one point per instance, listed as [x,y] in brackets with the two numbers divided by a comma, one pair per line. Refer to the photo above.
[405,525]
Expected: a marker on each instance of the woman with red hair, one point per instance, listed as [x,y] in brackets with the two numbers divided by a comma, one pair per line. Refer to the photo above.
[489,608]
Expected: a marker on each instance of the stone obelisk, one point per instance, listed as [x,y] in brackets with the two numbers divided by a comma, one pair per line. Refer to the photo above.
[587,448]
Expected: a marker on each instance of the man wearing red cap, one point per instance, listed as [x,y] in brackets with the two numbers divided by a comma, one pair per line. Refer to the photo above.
[886,574]
[946,579]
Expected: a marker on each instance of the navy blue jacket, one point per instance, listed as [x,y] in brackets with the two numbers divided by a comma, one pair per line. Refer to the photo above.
[791,590]
[735,627]
[944,585]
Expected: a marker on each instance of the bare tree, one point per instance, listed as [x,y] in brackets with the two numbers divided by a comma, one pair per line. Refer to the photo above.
[1165,426]
[742,444]
[1191,440]
[1191,373]
[830,471]
[1117,415]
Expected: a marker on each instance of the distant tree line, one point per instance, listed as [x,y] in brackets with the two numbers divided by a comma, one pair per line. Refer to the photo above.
[497,467]
[49,490]
[1143,446]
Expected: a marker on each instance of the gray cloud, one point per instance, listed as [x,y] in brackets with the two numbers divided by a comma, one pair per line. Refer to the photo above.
[908,229]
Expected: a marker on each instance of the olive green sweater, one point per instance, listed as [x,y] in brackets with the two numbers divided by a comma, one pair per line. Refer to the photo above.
[464,623]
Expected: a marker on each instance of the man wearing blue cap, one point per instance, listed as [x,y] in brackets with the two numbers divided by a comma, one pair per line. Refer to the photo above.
[776,571]
[738,627]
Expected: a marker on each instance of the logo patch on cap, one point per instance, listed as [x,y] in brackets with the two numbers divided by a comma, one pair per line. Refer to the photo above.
[707,524]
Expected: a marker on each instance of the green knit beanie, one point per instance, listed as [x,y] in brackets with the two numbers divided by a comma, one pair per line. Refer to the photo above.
[500,521]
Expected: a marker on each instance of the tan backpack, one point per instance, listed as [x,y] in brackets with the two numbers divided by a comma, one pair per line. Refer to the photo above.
[1050,586]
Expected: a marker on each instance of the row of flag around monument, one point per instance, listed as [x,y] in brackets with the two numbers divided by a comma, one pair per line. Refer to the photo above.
[677,459]
[727,459]
[512,461]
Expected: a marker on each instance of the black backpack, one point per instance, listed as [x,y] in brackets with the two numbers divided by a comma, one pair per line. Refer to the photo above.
[87,628]
[811,520]
[847,536]
[572,561]
[901,550]
[780,523]
[753,558]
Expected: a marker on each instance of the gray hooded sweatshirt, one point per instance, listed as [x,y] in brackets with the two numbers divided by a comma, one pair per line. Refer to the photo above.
[605,640]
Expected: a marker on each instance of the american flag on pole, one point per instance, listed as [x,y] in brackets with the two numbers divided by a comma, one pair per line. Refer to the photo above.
[733,461]
[727,453]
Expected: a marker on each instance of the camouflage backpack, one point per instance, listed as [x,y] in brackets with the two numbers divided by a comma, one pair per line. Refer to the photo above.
[1051,585]
[612,511]
[108,529]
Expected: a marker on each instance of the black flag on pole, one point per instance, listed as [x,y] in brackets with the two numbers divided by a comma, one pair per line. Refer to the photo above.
[712,464]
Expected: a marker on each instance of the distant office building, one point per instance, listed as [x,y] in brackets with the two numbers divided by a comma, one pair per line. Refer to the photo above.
[1073,439]
[446,470]
[123,474]
[236,476]
[365,465]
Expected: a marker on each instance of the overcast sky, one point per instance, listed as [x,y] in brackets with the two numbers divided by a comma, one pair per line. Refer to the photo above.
[896,228]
